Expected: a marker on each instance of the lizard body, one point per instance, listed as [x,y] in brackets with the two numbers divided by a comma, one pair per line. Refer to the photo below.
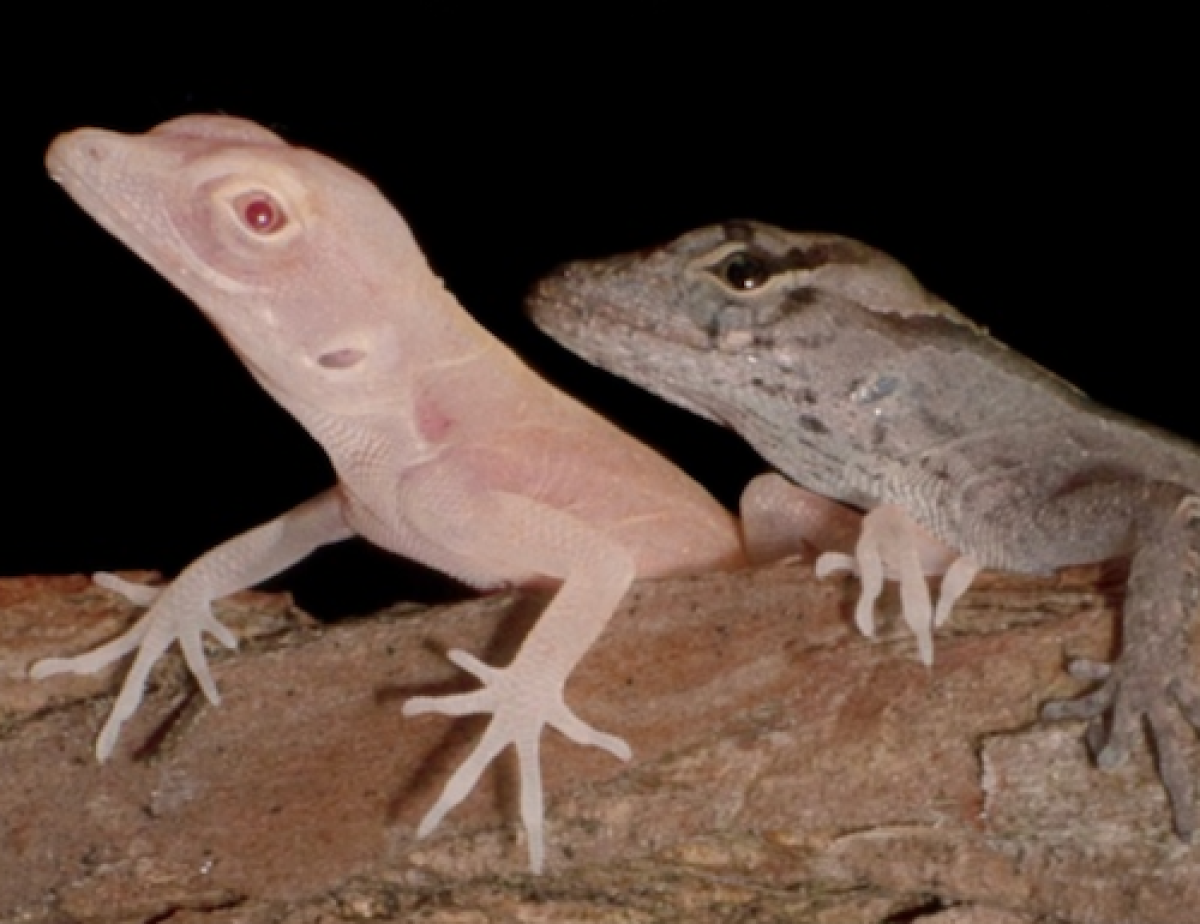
[447,448]
[861,386]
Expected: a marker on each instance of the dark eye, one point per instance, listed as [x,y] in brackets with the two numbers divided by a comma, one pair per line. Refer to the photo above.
[742,271]
[261,213]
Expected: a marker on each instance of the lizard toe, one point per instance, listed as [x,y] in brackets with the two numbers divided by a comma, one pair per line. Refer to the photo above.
[1123,735]
[1088,706]
[452,704]
[1083,669]
[1188,697]
[137,594]
[1169,730]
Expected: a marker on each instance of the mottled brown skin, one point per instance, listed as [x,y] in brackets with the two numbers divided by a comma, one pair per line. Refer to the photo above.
[850,378]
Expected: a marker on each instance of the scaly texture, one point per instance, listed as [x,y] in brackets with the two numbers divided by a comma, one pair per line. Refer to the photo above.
[447,448]
[861,386]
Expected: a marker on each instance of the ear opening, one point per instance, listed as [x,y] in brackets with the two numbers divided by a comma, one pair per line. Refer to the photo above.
[341,359]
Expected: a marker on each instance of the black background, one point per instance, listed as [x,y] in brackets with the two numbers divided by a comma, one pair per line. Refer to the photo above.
[1044,185]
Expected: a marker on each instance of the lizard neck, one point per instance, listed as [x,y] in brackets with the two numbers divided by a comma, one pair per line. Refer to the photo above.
[428,364]
[450,382]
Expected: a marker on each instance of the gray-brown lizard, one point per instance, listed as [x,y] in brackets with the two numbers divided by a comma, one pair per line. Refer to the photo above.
[448,449]
[858,384]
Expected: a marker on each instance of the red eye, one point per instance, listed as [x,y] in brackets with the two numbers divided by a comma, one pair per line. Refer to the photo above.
[261,213]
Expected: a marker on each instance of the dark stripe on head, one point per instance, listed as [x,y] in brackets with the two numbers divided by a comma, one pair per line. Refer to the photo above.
[797,300]
[807,258]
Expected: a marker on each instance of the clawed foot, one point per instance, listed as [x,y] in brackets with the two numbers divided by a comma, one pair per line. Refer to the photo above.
[1129,696]
[522,703]
[171,618]
[894,547]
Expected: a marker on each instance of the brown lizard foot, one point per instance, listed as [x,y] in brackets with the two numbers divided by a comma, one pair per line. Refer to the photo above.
[1154,681]
[1168,711]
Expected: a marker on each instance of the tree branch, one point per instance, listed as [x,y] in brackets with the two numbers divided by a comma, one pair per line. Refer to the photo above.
[782,765]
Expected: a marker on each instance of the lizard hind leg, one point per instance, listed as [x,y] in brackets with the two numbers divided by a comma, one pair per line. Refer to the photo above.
[779,518]
[1153,685]
[526,697]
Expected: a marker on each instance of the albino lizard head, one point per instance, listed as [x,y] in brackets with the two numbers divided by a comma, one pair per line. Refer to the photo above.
[301,264]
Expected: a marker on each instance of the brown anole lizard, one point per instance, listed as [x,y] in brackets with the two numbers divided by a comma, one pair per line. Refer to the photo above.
[859,385]
[448,449]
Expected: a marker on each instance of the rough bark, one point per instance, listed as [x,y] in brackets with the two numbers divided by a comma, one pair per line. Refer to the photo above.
[784,769]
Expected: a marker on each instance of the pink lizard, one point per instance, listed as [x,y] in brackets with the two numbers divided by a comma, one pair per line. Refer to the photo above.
[447,448]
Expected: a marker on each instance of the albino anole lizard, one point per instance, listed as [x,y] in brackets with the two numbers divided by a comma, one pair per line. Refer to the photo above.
[849,377]
[447,448]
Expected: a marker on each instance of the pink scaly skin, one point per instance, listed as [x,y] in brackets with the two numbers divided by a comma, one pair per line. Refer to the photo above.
[448,449]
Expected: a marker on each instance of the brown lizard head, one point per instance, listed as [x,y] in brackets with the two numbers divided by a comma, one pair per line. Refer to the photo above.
[711,304]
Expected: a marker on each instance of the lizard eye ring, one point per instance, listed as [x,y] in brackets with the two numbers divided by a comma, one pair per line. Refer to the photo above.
[742,271]
[261,213]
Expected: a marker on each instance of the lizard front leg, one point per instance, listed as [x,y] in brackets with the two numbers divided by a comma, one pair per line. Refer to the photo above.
[1154,680]
[521,535]
[182,611]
